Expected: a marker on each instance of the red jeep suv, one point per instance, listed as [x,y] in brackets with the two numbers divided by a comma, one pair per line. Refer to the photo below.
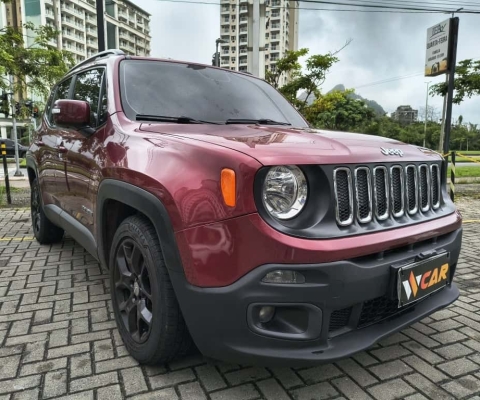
[223,218]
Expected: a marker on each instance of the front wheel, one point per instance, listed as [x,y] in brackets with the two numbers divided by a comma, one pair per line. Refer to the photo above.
[146,310]
[45,232]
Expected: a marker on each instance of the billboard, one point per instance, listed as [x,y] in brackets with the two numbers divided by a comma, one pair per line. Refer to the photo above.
[438,39]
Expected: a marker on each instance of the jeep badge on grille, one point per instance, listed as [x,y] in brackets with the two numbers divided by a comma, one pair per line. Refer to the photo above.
[392,152]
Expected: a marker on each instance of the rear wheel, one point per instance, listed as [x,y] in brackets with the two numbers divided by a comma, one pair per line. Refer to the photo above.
[45,232]
[146,310]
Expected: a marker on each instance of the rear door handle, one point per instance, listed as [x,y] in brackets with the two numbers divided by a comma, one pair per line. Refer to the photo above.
[62,149]
[39,143]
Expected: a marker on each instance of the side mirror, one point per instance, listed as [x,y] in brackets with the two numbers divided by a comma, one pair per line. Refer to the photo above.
[71,113]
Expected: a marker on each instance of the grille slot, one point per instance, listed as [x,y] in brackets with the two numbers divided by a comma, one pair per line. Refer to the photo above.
[412,189]
[364,194]
[424,185]
[342,178]
[378,309]
[380,187]
[396,183]
[435,171]
[339,319]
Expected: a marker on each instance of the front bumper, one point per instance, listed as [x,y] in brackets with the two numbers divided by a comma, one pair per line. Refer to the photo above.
[346,308]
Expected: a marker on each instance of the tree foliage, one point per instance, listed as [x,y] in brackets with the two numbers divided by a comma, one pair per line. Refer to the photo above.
[467,82]
[338,111]
[37,66]
[308,81]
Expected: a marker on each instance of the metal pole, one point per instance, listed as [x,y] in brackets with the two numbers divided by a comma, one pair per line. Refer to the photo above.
[217,56]
[256,39]
[442,129]
[451,82]
[5,169]
[426,116]
[14,130]
[100,26]
[452,177]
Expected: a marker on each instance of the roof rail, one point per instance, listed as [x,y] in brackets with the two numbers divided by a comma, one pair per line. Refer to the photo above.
[102,54]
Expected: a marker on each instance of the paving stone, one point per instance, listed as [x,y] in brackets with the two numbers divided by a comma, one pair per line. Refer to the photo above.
[357,373]
[94,381]
[320,373]
[80,365]
[390,353]
[133,380]
[171,378]
[192,391]
[462,387]
[9,366]
[43,366]
[55,383]
[455,350]
[210,377]
[165,394]
[458,367]
[350,389]
[109,393]
[244,392]
[425,368]
[18,384]
[394,389]
[318,391]
[246,375]
[420,382]
[287,377]
[390,369]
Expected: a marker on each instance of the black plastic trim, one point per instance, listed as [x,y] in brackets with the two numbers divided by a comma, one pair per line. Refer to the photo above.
[317,219]
[75,228]
[147,204]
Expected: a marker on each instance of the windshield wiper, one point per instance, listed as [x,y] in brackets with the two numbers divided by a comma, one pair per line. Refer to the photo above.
[176,120]
[261,121]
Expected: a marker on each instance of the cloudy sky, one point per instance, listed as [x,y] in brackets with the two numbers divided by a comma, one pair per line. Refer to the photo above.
[384,46]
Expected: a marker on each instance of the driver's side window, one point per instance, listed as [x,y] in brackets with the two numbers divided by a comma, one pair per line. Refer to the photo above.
[87,88]
[61,93]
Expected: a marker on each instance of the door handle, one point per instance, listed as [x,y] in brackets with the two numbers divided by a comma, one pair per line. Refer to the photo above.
[39,143]
[62,149]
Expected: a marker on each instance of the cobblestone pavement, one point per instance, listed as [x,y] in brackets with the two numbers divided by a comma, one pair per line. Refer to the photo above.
[58,339]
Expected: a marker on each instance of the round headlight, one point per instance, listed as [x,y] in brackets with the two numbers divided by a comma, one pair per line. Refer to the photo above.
[285,191]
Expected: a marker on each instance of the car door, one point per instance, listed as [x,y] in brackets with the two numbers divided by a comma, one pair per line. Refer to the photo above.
[81,151]
[49,160]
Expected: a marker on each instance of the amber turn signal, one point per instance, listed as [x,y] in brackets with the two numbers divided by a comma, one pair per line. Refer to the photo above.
[228,184]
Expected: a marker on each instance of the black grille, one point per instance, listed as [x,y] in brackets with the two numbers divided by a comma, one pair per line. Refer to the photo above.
[343,196]
[339,319]
[363,197]
[435,186]
[397,190]
[381,199]
[424,187]
[411,189]
[377,309]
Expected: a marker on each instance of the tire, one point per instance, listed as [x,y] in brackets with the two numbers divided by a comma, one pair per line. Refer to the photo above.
[45,231]
[146,310]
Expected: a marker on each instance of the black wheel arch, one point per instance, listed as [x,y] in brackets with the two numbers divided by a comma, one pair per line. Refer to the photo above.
[145,203]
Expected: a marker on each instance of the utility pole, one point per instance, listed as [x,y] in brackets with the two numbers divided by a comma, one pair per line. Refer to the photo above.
[14,129]
[100,26]
[426,116]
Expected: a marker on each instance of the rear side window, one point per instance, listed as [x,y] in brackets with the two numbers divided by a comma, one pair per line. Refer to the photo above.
[60,94]
[87,88]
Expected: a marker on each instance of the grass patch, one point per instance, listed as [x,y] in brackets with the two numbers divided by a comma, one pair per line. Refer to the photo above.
[466,172]
[470,152]
[23,163]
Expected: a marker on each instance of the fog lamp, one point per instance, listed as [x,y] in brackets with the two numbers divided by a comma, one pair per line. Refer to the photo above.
[266,314]
[283,276]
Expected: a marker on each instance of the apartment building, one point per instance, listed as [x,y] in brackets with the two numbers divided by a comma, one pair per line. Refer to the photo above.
[278,33]
[127,26]
[405,114]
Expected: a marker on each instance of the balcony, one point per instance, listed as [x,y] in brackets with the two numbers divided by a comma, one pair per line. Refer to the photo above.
[91,32]
[225,10]
[243,61]
[243,10]
[68,9]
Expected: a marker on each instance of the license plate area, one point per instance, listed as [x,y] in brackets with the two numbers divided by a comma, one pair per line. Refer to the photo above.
[421,278]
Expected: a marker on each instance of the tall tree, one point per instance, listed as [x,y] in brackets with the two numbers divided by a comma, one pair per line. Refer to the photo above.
[36,67]
[467,82]
[308,81]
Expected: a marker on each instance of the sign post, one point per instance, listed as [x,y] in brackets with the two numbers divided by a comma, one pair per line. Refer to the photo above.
[441,58]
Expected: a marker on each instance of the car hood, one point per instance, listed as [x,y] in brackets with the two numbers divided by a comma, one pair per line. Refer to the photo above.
[272,145]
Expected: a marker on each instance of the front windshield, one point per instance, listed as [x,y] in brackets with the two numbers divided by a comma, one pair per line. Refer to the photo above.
[203,93]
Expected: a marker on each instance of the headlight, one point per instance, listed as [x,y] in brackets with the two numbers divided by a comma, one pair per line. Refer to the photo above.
[284,191]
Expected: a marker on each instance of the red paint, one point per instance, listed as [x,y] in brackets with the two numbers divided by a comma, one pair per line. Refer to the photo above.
[219,254]
[181,165]
[71,113]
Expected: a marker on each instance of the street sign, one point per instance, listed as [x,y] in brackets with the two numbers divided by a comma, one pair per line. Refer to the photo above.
[438,44]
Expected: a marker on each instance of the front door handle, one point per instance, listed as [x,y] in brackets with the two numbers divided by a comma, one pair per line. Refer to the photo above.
[39,143]
[62,149]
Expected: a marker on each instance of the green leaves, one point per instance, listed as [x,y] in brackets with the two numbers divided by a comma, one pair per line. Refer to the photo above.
[467,82]
[36,65]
